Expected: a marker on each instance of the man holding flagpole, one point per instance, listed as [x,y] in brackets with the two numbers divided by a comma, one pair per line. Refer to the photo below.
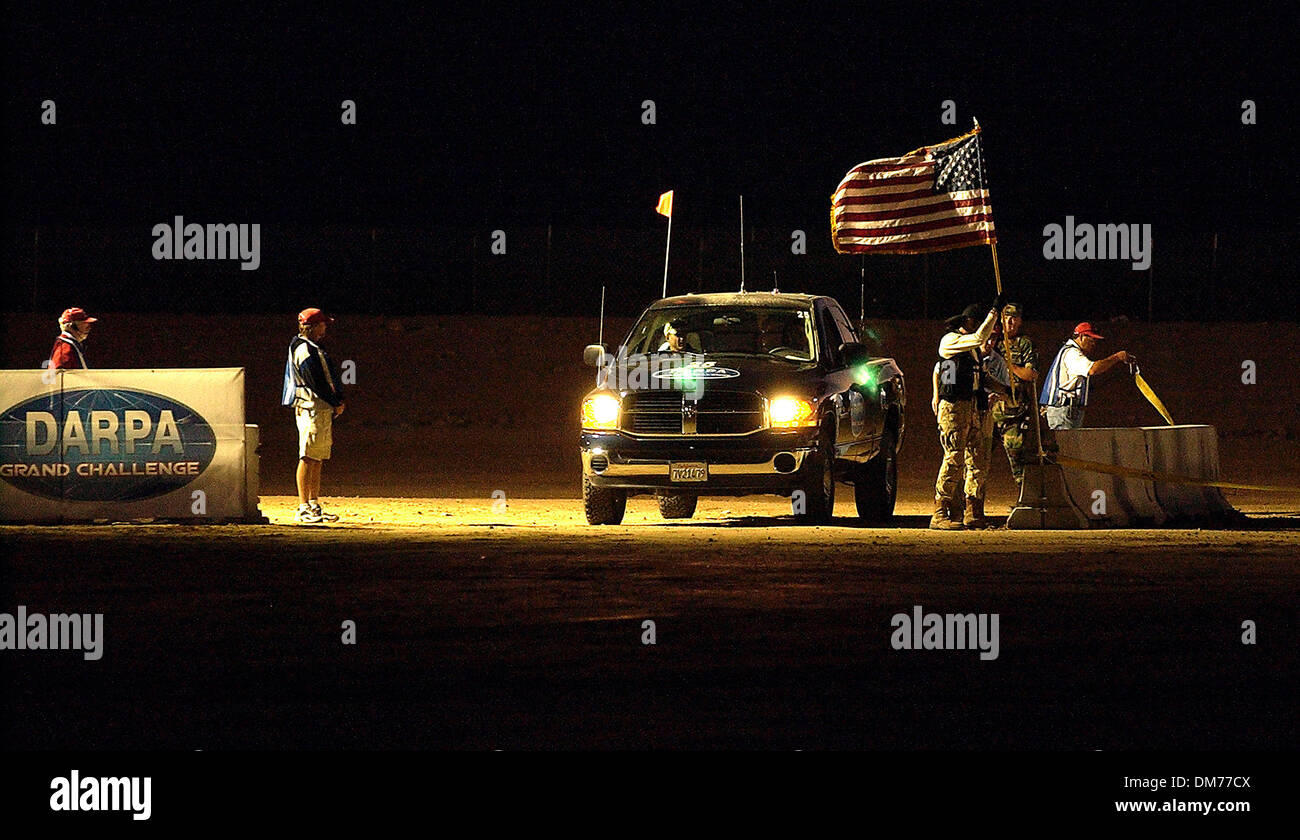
[935,198]
[665,208]
[1012,412]
[965,424]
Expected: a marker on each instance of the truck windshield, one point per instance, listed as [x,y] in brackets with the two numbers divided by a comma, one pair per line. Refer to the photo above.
[743,330]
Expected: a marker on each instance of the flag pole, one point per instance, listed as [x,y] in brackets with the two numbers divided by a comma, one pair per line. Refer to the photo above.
[993,245]
[667,245]
[997,273]
[665,208]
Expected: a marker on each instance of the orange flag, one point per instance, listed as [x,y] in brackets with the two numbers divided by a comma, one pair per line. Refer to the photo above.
[665,207]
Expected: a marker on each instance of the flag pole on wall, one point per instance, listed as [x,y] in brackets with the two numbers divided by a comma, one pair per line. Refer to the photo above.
[665,208]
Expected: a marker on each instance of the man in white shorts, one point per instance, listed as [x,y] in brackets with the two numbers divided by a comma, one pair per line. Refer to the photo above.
[311,387]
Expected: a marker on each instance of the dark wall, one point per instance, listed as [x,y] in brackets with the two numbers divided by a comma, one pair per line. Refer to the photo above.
[443,270]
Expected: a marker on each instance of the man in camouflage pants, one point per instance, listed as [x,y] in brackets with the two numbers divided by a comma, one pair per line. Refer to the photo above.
[960,405]
[1013,414]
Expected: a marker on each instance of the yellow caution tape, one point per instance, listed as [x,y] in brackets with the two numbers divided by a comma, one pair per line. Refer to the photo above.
[1151,397]
[1166,478]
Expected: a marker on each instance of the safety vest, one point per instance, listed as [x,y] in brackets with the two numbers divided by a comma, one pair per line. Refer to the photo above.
[76,345]
[961,378]
[1056,392]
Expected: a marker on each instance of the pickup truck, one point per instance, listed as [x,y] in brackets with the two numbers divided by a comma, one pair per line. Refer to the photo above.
[738,394]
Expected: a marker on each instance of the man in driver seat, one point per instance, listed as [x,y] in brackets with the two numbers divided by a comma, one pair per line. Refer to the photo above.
[771,332]
[674,337]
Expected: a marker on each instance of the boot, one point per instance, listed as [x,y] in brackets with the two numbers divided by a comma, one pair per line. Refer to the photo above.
[975,514]
[941,521]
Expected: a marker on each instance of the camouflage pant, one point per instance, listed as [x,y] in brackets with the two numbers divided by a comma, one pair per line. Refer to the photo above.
[1014,432]
[966,434]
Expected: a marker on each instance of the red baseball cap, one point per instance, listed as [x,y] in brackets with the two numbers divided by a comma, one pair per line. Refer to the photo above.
[1086,329]
[312,315]
[76,314]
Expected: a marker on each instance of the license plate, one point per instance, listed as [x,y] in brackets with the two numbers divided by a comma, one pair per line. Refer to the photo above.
[688,471]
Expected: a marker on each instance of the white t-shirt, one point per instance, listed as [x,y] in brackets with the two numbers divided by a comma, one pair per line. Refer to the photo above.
[1072,373]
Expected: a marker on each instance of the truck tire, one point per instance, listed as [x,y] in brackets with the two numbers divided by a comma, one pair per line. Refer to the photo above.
[602,506]
[876,487]
[677,505]
[819,486]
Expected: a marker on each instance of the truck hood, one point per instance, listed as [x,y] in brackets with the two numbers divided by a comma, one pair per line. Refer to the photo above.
[767,375]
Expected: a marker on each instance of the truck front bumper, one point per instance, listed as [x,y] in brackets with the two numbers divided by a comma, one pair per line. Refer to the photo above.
[767,461]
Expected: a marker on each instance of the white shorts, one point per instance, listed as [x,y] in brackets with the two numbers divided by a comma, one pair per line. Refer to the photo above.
[315,430]
[1064,417]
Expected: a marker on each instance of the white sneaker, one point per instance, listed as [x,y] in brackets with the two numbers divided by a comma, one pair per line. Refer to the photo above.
[324,517]
[307,515]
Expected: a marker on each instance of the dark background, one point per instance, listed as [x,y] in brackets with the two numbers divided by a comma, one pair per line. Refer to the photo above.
[529,121]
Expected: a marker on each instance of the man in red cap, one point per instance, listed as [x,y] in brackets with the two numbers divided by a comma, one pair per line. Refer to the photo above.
[1065,390]
[74,327]
[311,387]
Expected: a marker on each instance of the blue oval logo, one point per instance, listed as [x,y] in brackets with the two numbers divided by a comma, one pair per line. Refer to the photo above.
[103,445]
[697,370]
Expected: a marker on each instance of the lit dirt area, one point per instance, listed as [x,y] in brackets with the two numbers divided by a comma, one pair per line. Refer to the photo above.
[524,628]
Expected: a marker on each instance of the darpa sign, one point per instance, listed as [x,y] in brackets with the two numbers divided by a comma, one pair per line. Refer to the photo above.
[103,445]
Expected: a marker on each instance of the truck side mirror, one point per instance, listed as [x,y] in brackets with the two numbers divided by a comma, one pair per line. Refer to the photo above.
[854,354]
[592,354]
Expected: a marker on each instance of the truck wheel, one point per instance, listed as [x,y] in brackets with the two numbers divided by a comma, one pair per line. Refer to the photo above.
[876,487]
[819,486]
[602,506]
[677,505]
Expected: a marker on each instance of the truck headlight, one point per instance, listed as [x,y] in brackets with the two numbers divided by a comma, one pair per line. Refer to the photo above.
[600,411]
[788,412]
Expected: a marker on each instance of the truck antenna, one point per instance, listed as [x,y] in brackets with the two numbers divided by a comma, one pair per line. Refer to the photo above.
[601,340]
[862,294]
[742,244]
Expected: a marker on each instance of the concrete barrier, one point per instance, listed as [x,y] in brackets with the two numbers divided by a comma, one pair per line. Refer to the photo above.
[1114,501]
[1191,451]
[1110,501]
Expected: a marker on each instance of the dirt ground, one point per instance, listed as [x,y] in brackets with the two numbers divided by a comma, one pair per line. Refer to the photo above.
[522,627]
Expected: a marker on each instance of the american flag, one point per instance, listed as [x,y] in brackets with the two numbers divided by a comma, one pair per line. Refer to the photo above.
[933,199]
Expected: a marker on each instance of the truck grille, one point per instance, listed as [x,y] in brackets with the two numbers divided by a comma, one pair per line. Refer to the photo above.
[718,413]
[653,413]
[729,413]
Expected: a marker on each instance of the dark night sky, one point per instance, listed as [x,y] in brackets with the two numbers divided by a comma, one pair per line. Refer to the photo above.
[490,119]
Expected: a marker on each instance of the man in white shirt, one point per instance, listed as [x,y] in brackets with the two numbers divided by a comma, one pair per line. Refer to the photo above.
[1065,390]
[310,386]
[965,423]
